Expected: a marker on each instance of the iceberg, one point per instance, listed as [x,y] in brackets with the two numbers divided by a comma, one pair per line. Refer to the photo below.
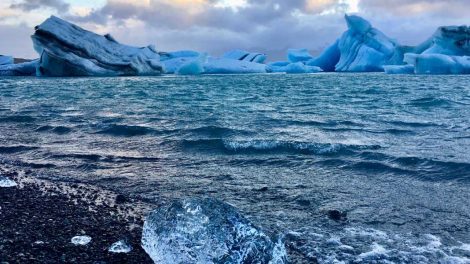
[205,230]
[364,48]
[7,183]
[80,240]
[4,60]
[328,59]
[298,55]
[293,68]
[399,69]
[245,56]
[230,66]
[20,69]
[438,63]
[193,67]
[68,50]
[120,246]
[449,40]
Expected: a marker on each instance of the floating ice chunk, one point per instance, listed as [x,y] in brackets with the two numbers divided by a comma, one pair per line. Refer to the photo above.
[229,66]
[68,50]
[194,67]
[399,69]
[438,63]
[20,69]
[81,240]
[294,68]
[377,252]
[120,247]
[245,56]
[7,183]
[205,230]
[4,60]
[298,55]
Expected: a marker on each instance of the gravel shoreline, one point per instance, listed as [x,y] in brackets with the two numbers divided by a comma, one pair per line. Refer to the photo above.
[38,219]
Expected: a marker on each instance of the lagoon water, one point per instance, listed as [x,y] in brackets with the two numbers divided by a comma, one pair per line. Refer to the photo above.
[391,151]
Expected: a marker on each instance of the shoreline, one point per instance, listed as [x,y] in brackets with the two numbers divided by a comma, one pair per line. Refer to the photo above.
[40,217]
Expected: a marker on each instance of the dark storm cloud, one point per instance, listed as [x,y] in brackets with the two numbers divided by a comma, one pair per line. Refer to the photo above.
[29,5]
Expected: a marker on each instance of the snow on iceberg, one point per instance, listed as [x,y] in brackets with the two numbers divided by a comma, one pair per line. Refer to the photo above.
[245,56]
[20,69]
[205,230]
[230,66]
[4,60]
[68,50]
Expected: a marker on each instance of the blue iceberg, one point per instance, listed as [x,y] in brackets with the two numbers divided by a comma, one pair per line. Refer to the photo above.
[205,230]
[20,69]
[5,60]
[68,50]
[298,55]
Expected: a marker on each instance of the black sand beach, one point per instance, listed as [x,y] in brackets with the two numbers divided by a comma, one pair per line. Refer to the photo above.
[39,218]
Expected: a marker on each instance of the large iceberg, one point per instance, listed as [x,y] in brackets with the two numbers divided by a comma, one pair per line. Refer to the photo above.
[366,49]
[20,69]
[205,230]
[446,52]
[328,59]
[245,56]
[4,60]
[68,50]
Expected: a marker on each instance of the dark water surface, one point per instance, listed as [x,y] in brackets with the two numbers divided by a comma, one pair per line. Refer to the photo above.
[391,151]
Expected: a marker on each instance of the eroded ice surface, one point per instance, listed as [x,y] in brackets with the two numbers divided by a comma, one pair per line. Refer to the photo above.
[204,230]
[230,66]
[68,50]
[438,63]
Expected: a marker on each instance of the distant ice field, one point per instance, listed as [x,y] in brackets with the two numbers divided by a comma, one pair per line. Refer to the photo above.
[393,151]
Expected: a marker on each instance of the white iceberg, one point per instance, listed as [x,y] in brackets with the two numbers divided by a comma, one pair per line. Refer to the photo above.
[68,50]
[4,60]
[80,240]
[298,55]
[245,56]
[120,246]
[205,230]
[230,66]
[7,183]
[20,69]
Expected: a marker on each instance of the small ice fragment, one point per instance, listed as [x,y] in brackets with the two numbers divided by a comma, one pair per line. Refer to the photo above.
[120,247]
[81,240]
[7,183]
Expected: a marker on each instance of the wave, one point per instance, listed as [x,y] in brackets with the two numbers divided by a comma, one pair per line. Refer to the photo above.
[431,102]
[17,119]
[15,149]
[60,130]
[126,130]
[274,146]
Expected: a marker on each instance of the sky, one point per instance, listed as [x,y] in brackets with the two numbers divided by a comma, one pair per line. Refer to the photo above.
[216,26]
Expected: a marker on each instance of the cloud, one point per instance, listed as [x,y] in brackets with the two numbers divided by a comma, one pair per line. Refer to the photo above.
[30,5]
